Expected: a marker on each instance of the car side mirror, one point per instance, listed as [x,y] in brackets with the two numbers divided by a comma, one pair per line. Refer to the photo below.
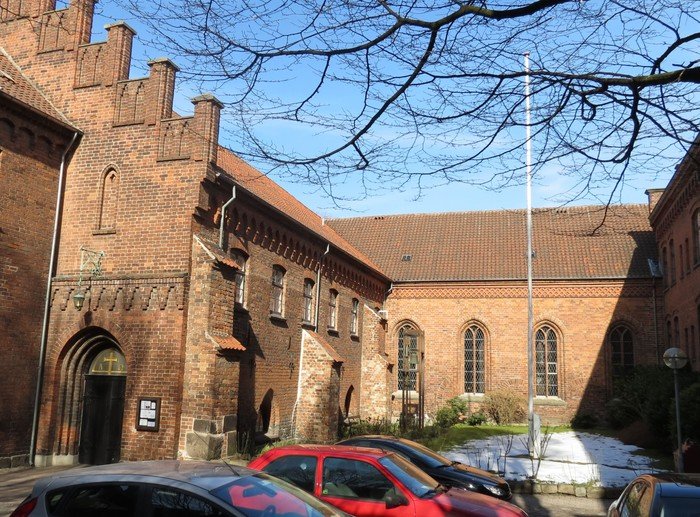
[394,500]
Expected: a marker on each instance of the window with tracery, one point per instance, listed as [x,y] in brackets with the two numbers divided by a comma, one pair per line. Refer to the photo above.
[277,299]
[408,357]
[474,360]
[621,350]
[241,261]
[332,309]
[546,362]
[307,316]
[355,317]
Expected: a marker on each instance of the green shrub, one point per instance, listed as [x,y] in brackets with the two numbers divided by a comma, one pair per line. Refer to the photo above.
[453,412]
[504,407]
[690,413]
[370,426]
[478,418]
[584,421]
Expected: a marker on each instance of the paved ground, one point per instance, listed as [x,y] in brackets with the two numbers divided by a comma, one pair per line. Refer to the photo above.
[16,484]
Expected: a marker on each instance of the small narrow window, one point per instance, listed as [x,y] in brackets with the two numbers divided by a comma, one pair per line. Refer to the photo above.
[696,236]
[687,257]
[676,333]
[680,259]
[307,316]
[333,309]
[672,261]
[664,265]
[355,317]
[277,301]
[242,262]
[109,200]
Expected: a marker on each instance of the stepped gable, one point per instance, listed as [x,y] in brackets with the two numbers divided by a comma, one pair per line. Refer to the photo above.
[15,85]
[491,245]
[271,193]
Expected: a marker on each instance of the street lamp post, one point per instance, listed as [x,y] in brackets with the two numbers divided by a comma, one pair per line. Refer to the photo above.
[676,359]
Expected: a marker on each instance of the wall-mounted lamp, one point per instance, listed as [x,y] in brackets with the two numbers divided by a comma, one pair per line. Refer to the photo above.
[90,261]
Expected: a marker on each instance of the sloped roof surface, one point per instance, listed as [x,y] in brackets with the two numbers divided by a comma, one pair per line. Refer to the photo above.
[264,188]
[13,83]
[491,245]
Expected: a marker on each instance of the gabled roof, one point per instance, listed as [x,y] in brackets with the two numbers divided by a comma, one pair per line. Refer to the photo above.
[263,188]
[14,84]
[491,245]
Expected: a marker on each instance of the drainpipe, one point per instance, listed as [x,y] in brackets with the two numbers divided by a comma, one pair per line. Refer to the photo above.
[47,301]
[223,217]
[318,286]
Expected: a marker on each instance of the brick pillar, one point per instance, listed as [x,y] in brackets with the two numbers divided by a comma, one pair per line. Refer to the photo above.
[119,40]
[161,88]
[207,113]
[81,13]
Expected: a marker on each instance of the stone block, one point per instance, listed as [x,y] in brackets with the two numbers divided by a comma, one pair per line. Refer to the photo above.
[202,425]
[549,488]
[595,492]
[580,491]
[21,460]
[230,423]
[203,446]
[5,463]
[231,439]
[565,488]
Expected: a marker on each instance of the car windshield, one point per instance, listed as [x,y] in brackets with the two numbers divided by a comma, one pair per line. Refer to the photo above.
[687,506]
[414,479]
[428,457]
[262,494]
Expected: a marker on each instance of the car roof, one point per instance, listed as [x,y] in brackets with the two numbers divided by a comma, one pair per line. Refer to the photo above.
[381,438]
[677,485]
[202,474]
[343,450]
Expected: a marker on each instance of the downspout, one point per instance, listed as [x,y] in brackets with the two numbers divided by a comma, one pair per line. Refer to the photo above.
[47,301]
[318,286]
[223,217]
[301,350]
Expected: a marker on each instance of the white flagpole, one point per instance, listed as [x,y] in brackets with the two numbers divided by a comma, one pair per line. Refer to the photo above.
[530,315]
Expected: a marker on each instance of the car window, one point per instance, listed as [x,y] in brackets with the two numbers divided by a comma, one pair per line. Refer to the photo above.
[298,470]
[686,506]
[169,502]
[355,479]
[424,457]
[113,500]
[417,481]
[631,506]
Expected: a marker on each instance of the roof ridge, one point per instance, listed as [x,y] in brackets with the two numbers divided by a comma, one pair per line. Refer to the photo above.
[63,119]
[489,211]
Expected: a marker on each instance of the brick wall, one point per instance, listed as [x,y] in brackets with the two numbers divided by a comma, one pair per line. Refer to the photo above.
[30,155]
[581,313]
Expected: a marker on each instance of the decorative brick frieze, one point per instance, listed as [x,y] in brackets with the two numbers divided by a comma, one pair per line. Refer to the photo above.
[147,293]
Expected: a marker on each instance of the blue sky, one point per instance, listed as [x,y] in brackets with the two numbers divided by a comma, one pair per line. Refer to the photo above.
[550,188]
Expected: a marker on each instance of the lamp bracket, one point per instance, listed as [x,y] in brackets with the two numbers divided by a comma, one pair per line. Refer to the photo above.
[90,262]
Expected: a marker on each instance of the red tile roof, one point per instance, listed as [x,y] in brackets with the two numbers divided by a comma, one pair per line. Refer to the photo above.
[14,84]
[326,346]
[225,342]
[491,245]
[262,187]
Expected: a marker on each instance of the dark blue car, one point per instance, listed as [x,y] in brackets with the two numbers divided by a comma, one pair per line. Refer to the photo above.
[448,473]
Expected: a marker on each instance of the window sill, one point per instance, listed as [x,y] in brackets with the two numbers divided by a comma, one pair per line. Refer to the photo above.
[307,325]
[549,401]
[412,395]
[333,332]
[355,337]
[278,317]
[104,231]
[473,397]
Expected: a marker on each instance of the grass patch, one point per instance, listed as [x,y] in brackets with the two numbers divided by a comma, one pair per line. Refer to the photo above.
[662,460]
[460,433]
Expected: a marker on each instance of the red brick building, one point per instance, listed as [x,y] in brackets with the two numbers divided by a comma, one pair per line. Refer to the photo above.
[676,222]
[459,282]
[196,306]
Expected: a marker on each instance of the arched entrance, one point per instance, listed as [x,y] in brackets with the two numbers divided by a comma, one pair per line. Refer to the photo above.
[103,408]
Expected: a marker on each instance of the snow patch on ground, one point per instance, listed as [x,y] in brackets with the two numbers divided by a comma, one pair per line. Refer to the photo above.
[570,457]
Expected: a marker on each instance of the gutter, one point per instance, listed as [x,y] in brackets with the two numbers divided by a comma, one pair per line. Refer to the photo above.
[47,301]
[223,217]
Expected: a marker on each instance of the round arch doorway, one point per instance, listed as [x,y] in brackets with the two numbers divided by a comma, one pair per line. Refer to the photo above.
[103,408]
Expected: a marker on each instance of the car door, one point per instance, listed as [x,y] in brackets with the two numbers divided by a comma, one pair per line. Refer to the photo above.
[297,470]
[362,489]
[637,501]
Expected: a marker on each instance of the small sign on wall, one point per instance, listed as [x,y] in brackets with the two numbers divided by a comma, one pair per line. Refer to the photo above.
[148,414]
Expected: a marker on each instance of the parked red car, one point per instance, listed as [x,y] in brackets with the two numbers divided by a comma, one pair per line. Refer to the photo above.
[363,481]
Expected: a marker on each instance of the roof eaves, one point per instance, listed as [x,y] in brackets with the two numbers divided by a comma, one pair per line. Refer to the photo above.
[228,178]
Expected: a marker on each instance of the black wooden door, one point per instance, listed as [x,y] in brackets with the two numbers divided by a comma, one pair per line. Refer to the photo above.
[103,411]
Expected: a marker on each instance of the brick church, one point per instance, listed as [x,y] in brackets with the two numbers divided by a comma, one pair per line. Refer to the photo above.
[159,297]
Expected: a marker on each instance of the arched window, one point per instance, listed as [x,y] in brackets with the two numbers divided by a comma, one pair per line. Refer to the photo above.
[307,316]
[241,260]
[696,236]
[546,368]
[672,261]
[408,357]
[621,350]
[277,297]
[332,309]
[109,199]
[355,317]
[664,266]
[474,363]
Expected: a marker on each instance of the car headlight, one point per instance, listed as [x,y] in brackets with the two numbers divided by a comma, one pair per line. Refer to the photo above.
[495,490]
